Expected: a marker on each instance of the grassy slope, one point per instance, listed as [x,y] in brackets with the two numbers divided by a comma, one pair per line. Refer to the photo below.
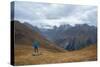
[23,55]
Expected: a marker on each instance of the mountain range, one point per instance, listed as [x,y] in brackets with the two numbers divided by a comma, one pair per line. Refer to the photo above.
[72,37]
[65,36]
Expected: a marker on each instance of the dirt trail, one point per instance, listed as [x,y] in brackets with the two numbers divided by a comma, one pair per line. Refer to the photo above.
[23,55]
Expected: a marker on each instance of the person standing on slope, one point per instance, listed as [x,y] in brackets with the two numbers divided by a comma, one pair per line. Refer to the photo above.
[36,45]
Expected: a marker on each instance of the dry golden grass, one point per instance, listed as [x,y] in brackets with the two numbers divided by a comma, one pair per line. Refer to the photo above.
[23,55]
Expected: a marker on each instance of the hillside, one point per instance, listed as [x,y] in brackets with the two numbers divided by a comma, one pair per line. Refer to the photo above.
[24,35]
[23,55]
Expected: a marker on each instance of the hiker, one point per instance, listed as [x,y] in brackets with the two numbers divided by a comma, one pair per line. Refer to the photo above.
[36,45]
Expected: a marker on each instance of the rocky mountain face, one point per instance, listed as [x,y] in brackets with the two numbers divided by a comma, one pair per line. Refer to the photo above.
[72,37]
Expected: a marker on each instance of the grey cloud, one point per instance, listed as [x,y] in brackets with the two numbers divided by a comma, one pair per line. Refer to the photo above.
[50,14]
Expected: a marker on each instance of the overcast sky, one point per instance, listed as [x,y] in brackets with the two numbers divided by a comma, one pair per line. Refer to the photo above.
[48,14]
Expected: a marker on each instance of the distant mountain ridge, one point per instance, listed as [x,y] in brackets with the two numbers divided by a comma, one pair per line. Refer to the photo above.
[72,37]
[31,27]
